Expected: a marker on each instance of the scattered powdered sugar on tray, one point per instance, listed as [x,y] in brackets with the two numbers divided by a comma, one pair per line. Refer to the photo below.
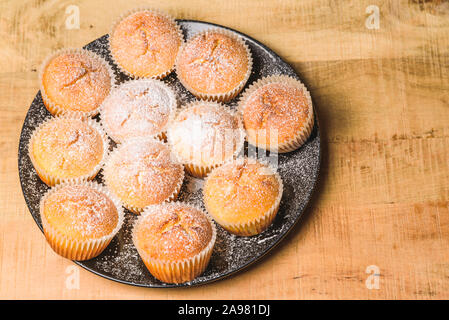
[120,261]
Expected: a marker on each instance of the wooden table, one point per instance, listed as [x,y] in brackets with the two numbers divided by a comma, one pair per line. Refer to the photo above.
[383,102]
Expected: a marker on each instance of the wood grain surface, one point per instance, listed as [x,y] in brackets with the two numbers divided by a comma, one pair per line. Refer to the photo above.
[383,102]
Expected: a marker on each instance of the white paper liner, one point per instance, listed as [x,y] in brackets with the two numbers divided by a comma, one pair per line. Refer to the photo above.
[52,180]
[302,136]
[135,209]
[53,107]
[227,96]
[75,249]
[177,271]
[196,169]
[161,135]
[261,223]
[154,11]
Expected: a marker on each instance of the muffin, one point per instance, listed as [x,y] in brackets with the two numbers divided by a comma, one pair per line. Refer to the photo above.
[214,65]
[243,196]
[75,80]
[141,172]
[80,219]
[277,113]
[144,43]
[138,109]
[203,135]
[175,241]
[68,148]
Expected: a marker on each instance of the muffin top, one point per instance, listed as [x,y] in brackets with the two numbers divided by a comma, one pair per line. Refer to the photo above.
[138,108]
[172,232]
[145,43]
[67,148]
[280,107]
[241,191]
[141,172]
[76,81]
[213,63]
[205,133]
[80,212]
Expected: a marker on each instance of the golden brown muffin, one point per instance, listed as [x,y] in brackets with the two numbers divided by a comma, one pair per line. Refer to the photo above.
[80,219]
[175,241]
[140,172]
[277,113]
[214,65]
[75,80]
[204,135]
[144,43]
[138,109]
[243,196]
[68,148]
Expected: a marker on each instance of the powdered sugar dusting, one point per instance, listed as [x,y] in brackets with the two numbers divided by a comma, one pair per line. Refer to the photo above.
[120,261]
[212,63]
[67,147]
[204,133]
[141,172]
[172,231]
[76,81]
[138,108]
[80,211]
[277,106]
[145,43]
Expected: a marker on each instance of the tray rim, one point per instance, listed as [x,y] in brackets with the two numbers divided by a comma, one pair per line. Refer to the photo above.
[226,274]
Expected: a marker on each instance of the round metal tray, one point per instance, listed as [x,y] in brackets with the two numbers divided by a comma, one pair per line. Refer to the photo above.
[120,261]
